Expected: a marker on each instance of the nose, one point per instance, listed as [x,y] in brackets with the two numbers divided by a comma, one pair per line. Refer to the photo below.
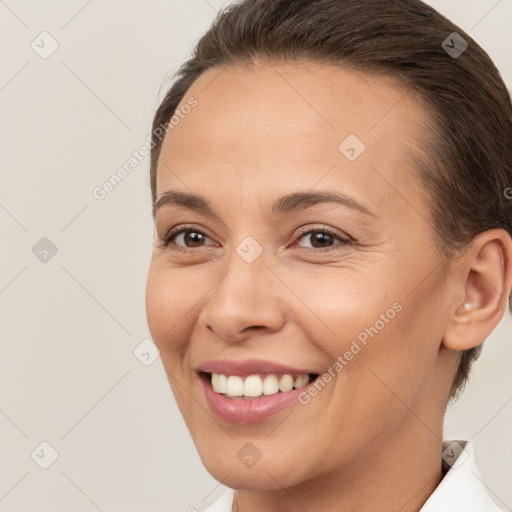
[245,300]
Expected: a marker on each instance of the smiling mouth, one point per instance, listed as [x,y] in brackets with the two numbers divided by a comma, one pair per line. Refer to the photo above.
[256,385]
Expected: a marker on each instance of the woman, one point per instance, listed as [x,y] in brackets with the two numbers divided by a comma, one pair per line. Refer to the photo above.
[332,248]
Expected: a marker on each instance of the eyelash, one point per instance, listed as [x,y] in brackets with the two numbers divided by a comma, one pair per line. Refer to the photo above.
[169,237]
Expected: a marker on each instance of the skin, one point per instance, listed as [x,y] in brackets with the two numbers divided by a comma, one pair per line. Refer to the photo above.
[371,439]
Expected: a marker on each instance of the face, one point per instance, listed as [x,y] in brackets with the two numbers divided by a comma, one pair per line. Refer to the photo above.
[350,287]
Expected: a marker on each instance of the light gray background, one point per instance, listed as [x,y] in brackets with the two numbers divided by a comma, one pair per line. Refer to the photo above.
[68,375]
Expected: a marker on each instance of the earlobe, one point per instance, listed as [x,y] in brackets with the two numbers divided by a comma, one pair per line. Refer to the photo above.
[486,278]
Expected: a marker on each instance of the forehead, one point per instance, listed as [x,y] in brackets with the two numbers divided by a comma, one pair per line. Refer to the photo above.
[266,125]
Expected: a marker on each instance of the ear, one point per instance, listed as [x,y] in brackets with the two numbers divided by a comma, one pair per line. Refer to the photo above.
[485,278]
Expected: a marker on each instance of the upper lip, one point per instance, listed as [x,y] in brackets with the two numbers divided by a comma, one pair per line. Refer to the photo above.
[248,367]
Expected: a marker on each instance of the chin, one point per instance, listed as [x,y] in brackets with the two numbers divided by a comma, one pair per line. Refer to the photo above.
[273,472]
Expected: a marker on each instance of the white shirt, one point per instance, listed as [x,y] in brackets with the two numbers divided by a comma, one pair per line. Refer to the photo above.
[461,489]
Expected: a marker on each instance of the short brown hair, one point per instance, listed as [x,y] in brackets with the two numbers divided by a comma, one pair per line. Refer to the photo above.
[469,147]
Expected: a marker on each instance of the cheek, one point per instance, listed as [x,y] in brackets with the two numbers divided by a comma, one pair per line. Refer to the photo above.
[167,303]
[371,323]
[342,305]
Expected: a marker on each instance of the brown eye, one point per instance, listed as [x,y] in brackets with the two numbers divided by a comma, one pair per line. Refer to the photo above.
[322,238]
[185,238]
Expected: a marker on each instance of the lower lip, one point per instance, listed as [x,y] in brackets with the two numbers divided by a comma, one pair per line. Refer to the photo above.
[246,411]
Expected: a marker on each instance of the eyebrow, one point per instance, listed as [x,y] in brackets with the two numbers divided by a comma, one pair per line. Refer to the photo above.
[283,205]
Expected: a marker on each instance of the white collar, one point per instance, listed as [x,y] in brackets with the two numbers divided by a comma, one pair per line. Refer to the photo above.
[461,489]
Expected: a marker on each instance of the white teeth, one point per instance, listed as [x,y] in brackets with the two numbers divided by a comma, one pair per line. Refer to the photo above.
[270,385]
[235,386]
[222,383]
[286,383]
[253,386]
[301,381]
